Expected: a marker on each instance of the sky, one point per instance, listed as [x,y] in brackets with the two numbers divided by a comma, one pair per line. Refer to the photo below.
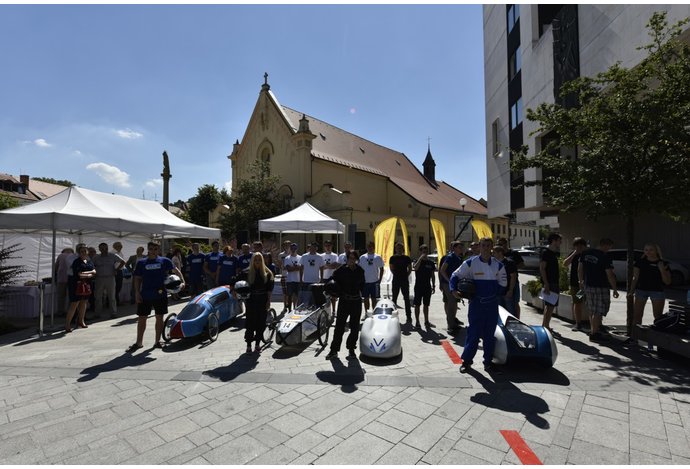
[95,93]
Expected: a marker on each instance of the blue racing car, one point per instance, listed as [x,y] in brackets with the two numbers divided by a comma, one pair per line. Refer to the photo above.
[518,342]
[204,314]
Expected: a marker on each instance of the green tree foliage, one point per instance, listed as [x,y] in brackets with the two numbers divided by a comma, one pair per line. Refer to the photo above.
[6,201]
[59,182]
[253,199]
[207,198]
[9,273]
[632,135]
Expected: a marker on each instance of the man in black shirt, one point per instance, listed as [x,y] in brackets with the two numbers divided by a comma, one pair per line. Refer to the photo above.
[573,260]
[424,285]
[350,280]
[519,262]
[401,266]
[548,268]
[595,275]
[505,297]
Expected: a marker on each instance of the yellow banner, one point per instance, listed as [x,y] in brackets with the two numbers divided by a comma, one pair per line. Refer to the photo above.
[440,237]
[403,228]
[482,229]
[384,238]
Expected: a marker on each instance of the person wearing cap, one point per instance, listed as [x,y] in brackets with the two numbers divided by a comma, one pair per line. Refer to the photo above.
[294,275]
[211,265]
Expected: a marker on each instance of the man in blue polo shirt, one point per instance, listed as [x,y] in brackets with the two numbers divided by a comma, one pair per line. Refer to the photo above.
[149,290]
[244,260]
[195,261]
[227,268]
[211,265]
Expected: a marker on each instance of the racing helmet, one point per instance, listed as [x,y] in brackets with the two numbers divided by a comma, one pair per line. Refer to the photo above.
[242,289]
[173,283]
[331,289]
[466,288]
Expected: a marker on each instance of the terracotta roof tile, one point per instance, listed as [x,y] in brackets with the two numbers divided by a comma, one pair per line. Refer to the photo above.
[357,152]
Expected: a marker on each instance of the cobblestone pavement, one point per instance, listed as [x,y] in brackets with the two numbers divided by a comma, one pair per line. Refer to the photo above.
[79,399]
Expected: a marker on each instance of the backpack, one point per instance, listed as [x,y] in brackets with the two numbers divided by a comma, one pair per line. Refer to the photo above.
[674,322]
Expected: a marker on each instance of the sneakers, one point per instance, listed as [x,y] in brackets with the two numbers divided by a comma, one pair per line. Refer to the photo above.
[465,367]
[454,330]
[576,327]
[331,355]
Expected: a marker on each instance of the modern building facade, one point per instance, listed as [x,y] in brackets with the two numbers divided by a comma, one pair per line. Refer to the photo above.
[346,176]
[530,50]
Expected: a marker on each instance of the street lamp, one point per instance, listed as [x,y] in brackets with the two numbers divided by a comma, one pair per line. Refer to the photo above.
[463,202]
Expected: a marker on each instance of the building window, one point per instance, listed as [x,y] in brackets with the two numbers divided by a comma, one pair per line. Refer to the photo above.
[516,114]
[496,144]
[513,16]
[514,64]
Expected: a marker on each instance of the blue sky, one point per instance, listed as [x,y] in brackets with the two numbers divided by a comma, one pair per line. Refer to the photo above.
[94,94]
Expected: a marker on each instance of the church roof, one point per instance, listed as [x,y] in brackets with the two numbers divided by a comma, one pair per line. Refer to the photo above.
[343,148]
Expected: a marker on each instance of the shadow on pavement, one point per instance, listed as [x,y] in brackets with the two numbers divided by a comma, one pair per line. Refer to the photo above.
[430,336]
[46,337]
[290,351]
[123,361]
[346,377]
[242,364]
[125,322]
[638,364]
[507,397]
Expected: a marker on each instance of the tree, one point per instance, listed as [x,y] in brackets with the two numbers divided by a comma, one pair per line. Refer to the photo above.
[6,201]
[9,273]
[253,199]
[206,199]
[59,182]
[631,137]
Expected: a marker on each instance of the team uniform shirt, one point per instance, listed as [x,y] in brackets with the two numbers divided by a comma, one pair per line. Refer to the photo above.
[212,259]
[371,263]
[293,261]
[488,277]
[453,261]
[551,259]
[424,274]
[244,261]
[328,260]
[196,266]
[595,263]
[312,267]
[398,264]
[342,258]
[650,275]
[153,273]
[228,269]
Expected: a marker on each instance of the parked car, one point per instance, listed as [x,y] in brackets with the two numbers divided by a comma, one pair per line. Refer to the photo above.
[680,275]
[531,256]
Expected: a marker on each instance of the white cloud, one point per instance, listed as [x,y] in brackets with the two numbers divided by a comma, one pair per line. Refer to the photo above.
[76,153]
[129,134]
[110,174]
[41,142]
[153,183]
[228,186]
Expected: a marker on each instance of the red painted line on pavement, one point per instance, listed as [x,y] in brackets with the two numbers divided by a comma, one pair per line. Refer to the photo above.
[454,357]
[520,448]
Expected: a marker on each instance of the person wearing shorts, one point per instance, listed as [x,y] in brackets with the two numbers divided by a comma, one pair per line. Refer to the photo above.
[572,262]
[150,292]
[293,267]
[424,285]
[373,265]
[595,275]
[283,273]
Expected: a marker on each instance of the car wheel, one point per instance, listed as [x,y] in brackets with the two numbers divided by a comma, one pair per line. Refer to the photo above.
[168,325]
[323,328]
[270,326]
[677,278]
[213,327]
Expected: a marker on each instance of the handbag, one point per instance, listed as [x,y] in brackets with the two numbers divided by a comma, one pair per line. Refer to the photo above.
[83,288]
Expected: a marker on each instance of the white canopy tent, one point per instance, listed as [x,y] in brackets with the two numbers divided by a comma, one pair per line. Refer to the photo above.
[303,219]
[78,212]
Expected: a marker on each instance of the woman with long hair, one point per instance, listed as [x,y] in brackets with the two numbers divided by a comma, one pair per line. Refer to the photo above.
[79,288]
[260,280]
[650,275]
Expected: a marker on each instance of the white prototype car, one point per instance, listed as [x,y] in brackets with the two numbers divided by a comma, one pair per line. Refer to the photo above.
[380,335]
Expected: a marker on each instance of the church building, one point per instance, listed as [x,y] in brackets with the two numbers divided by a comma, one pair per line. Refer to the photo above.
[348,177]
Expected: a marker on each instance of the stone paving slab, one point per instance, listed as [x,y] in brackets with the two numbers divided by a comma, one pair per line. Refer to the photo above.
[198,403]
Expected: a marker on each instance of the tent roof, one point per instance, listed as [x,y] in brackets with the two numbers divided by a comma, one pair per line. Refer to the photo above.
[304,219]
[86,211]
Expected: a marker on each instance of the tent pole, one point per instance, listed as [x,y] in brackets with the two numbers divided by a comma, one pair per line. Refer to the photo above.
[53,283]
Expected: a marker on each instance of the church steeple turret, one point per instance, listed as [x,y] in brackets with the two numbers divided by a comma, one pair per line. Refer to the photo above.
[429,166]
